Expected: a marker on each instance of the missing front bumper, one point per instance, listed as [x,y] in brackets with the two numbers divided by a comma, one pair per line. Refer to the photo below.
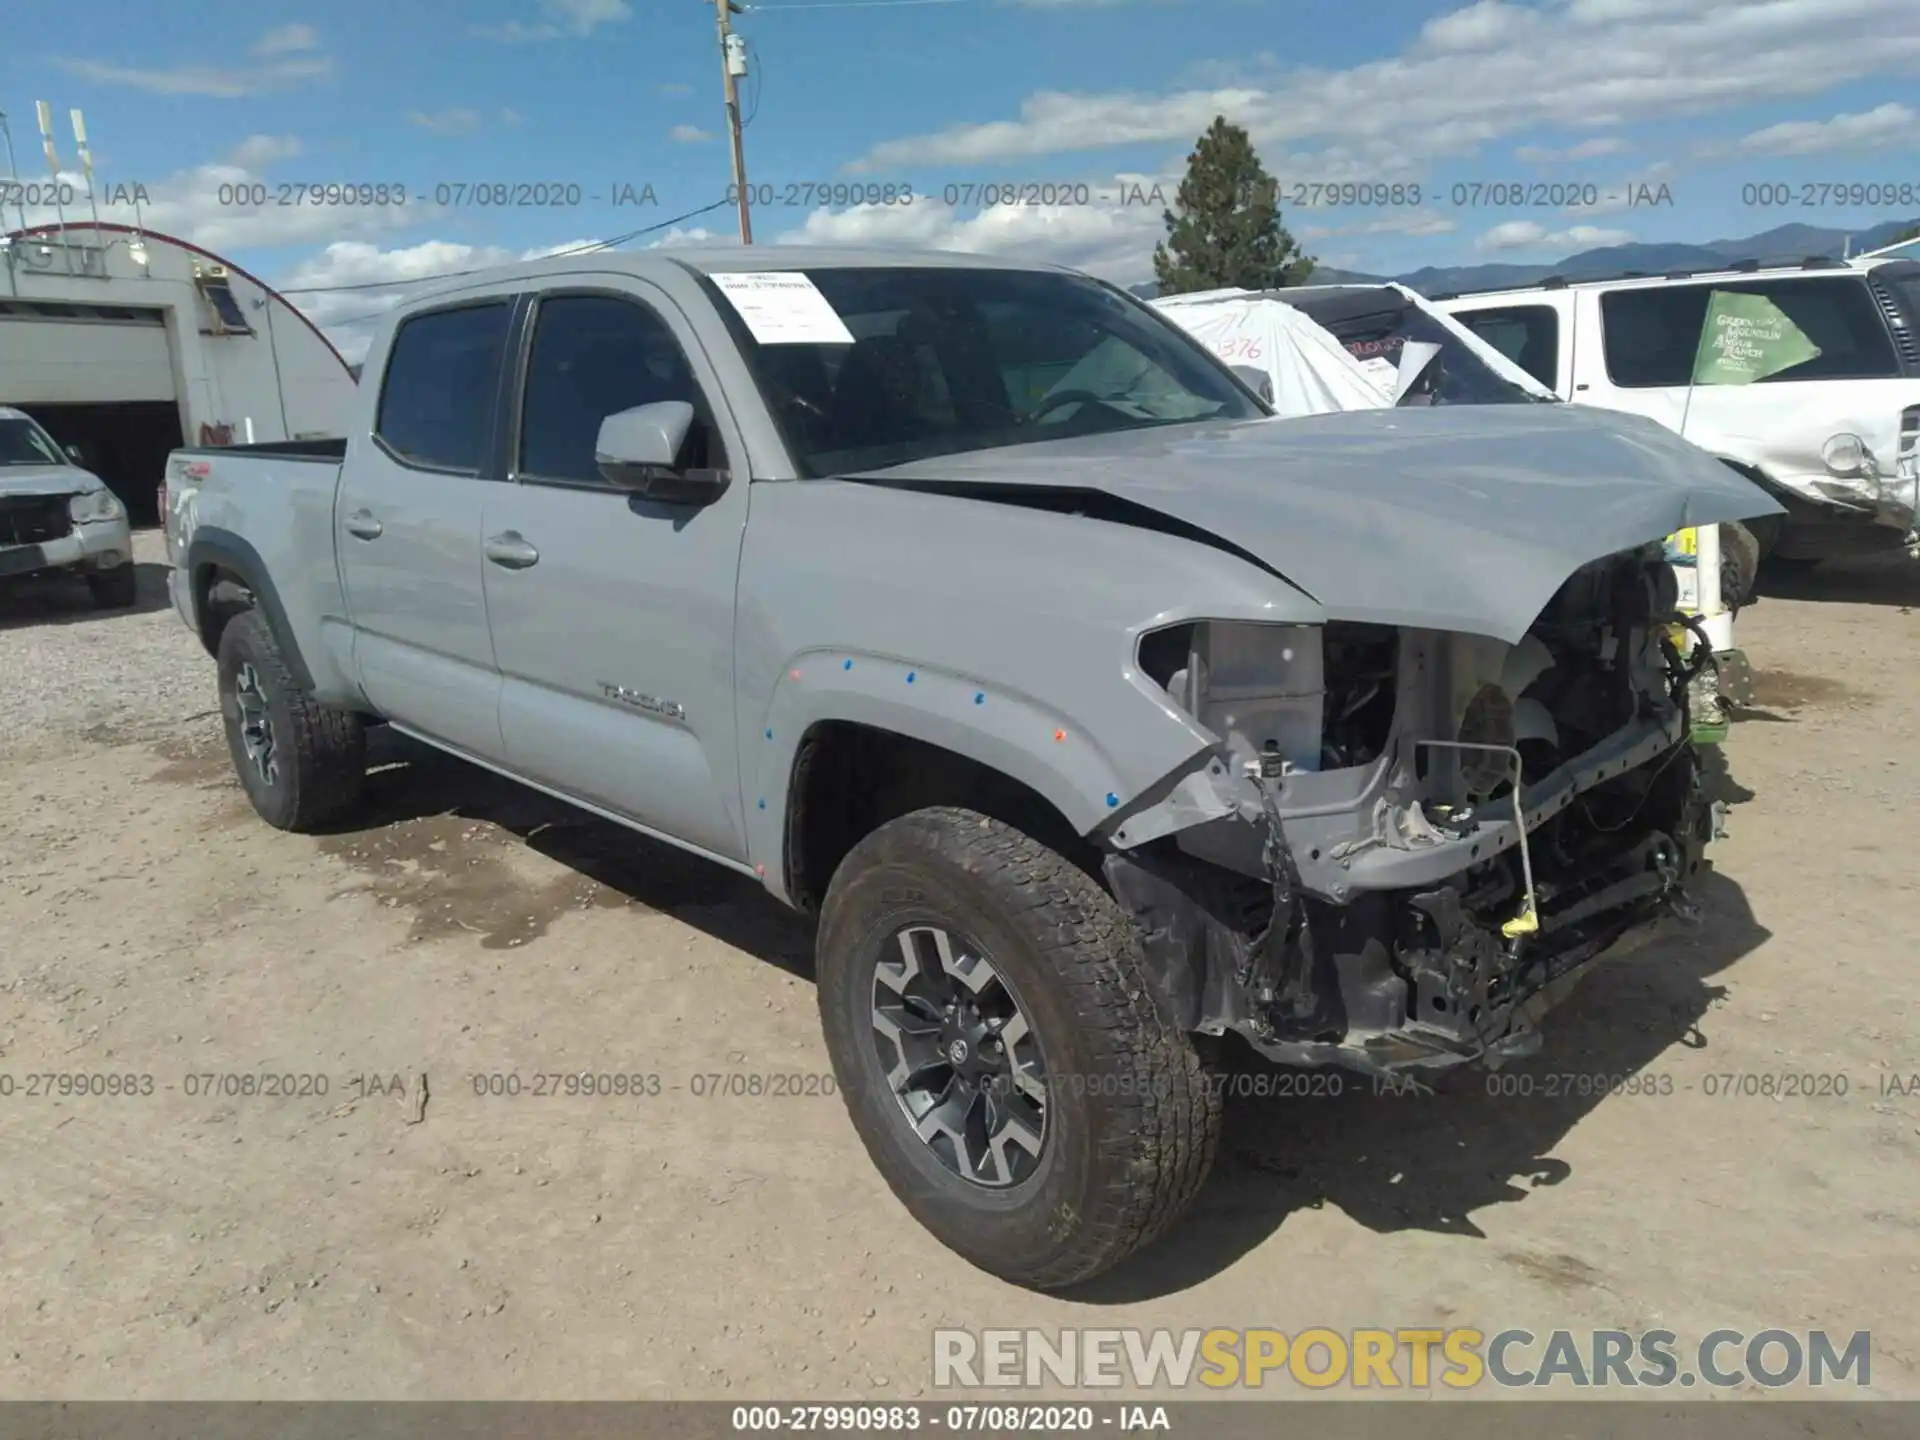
[1409,979]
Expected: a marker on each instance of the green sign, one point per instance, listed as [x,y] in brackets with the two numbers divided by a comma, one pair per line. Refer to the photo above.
[1747,338]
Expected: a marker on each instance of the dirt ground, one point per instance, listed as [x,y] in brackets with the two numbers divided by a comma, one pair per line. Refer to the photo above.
[386,1239]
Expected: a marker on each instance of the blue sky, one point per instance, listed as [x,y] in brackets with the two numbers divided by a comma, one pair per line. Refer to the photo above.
[1703,97]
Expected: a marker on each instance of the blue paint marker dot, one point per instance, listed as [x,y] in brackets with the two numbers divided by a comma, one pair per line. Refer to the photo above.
[769,734]
[846,664]
[979,697]
[910,675]
[1113,800]
[763,803]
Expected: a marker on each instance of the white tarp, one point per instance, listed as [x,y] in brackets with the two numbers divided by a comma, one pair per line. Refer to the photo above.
[1312,372]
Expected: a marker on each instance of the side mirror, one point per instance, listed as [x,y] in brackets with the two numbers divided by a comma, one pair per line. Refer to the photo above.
[637,449]
[73,454]
[1256,380]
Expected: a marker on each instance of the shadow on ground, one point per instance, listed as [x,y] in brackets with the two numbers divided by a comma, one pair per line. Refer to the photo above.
[422,804]
[1886,579]
[1391,1161]
[63,598]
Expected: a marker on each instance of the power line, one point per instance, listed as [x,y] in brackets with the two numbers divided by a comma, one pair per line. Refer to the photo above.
[590,247]
[849,5]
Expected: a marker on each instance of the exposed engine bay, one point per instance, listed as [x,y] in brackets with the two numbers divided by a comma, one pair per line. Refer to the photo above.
[1431,833]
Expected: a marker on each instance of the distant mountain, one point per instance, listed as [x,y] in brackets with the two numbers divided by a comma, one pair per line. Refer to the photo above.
[1784,243]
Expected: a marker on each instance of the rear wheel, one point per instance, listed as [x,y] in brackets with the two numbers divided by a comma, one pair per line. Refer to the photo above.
[999,1052]
[301,763]
[112,589]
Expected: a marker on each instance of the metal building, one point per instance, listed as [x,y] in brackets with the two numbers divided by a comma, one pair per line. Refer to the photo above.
[129,343]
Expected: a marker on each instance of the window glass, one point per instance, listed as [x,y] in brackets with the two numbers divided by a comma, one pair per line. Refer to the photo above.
[594,356]
[1377,325]
[948,360]
[1528,335]
[24,443]
[1652,335]
[436,402]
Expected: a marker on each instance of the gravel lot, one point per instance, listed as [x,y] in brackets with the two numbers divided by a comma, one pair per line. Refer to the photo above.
[381,1241]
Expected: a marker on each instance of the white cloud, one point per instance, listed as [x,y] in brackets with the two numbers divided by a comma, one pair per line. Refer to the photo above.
[288,55]
[257,152]
[688,134]
[213,204]
[287,40]
[1481,26]
[510,116]
[1486,72]
[456,121]
[1531,235]
[1409,222]
[1884,127]
[1586,150]
[564,19]
[1114,241]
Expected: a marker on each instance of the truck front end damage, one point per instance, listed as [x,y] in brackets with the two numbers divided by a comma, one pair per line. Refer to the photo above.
[1408,843]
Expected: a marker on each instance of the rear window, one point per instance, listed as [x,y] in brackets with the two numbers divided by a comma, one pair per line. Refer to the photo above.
[1459,377]
[1652,335]
[1528,335]
[437,397]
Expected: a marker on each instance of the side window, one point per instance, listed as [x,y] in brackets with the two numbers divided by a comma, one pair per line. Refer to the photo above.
[594,356]
[1528,335]
[1652,335]
[1839,315]
[437,396]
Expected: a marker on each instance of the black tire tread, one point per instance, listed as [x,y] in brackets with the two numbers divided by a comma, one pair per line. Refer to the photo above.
[327,748]
[1156,1166]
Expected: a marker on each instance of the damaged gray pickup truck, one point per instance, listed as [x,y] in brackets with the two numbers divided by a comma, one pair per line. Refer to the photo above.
[1097,713]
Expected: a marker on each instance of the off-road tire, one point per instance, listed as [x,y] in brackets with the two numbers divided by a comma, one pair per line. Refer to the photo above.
[321,751]
[1739,565]
[1133,1121]
[114,589]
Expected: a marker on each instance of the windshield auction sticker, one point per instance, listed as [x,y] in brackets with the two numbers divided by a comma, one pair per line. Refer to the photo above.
[783,307]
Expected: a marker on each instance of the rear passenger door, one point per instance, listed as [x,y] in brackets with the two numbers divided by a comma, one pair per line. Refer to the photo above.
[407,520]
[612,615]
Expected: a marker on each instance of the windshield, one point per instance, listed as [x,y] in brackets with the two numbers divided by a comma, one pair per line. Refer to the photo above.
[947,360]
[24,443]
[1456,377]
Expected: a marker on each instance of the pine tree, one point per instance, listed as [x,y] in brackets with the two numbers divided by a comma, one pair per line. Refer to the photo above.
[1226,229]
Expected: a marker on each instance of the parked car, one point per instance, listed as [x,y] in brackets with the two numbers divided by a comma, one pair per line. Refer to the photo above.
[56,517]
[974,607]
[1835,437]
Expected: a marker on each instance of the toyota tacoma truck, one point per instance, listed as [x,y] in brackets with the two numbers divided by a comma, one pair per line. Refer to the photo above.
[1098,714]
[56,517]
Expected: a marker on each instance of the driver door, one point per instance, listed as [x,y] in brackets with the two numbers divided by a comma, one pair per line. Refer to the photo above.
[611,614]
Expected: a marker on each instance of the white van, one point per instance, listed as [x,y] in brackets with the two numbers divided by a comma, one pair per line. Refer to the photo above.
[1834,438]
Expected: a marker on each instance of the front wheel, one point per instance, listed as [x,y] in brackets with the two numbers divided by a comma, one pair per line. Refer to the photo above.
[1000,1054]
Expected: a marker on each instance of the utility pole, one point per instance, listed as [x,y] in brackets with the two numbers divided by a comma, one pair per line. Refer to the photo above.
[733,64]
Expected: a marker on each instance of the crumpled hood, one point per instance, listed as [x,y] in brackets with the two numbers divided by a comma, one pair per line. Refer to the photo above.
[46,480]
[1461,518]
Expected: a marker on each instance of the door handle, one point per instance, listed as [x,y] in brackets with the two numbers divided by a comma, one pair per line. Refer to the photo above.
[508,549]
[362,524]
